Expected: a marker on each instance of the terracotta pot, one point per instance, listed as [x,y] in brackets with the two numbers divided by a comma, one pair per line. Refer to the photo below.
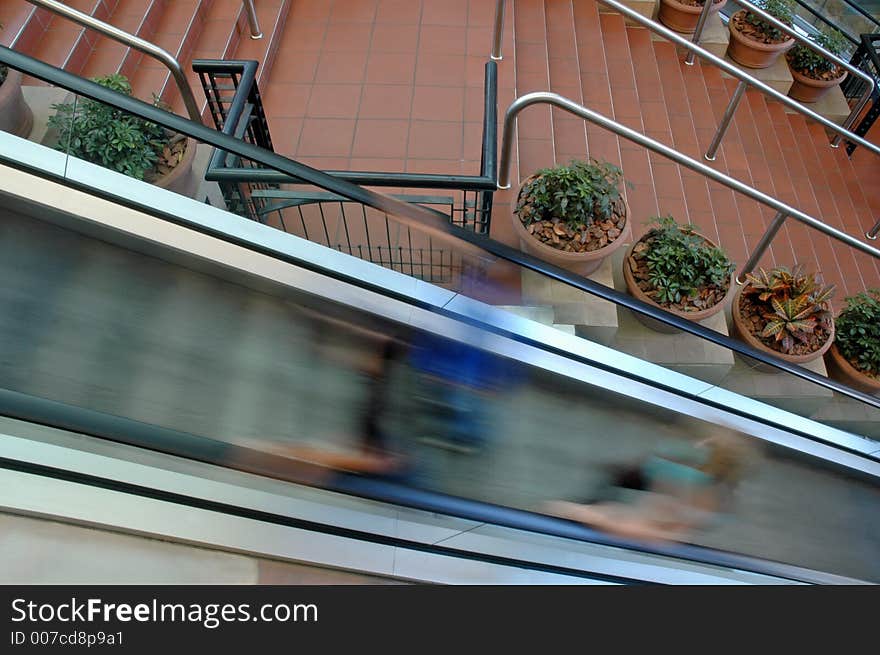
[841,370]
[15,115]
[182,179]
[741,332]
[753,54]
[806,89]
[698,316]
[582,263]
[683,18]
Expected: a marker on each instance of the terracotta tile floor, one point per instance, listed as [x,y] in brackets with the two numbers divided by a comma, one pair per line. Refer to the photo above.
[388,85]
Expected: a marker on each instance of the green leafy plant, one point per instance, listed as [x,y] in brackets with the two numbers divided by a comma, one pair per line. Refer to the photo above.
[681,262]
[577,194]
[811,63]
[781,10]
[858,331]
[107,136]
[792,304]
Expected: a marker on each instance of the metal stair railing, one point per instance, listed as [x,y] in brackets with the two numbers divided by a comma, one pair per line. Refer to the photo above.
[783,210]
[150,49]
[746,79]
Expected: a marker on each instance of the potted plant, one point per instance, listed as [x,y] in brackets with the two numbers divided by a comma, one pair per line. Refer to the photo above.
[125,143]
[754,42]
[682,15]
[676,268]
[854,358]
[16,116]
[813,74]
[573,216]
[786,313]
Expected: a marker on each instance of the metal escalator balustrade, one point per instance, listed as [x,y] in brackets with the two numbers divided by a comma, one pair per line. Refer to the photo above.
[419,219]
[176,327]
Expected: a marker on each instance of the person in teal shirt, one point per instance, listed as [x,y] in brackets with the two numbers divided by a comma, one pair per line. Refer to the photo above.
[675,491]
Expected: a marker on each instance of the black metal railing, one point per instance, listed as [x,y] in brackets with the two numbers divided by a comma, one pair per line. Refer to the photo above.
[270,197]
[367,233]
[236,107]
[867,58]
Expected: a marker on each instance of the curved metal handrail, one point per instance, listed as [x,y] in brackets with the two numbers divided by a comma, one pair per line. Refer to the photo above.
[745,78]
[860,105]
[151,49]
[784,210]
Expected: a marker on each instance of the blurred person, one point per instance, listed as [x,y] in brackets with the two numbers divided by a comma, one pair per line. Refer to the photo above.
[457,378]
[450,389]
[680,489]
[373,453]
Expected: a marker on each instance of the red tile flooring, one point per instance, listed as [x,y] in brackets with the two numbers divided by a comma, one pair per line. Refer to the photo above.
[388,85]
[396,85]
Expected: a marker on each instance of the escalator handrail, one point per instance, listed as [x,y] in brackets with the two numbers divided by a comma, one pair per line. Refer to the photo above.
[118,429]
[421,218]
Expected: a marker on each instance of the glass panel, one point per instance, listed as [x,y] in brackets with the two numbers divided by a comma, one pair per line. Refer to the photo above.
[845,15]
[108,137]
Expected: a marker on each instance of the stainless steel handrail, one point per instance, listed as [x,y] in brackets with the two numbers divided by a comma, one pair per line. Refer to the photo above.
[745,78]
[860,105]
[498,30]
[253,21]
[698,31]
[132,41]
[783,210]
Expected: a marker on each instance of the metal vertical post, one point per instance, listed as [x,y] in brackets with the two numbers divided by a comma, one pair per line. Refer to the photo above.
[498,33]
[251,11]
[698,32]
[763,244]
[872,233]
[725,121]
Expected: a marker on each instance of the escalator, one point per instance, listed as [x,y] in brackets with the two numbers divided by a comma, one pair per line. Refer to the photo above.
[158,357]
[111,348]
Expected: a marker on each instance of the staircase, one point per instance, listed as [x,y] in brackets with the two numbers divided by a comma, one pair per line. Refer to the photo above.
[396,85]
[188,29]
[595,58]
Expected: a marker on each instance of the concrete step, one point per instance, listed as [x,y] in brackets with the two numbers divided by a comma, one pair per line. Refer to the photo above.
[832,106]
[647,8]
[776,76]
[715,37]
[593,318]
